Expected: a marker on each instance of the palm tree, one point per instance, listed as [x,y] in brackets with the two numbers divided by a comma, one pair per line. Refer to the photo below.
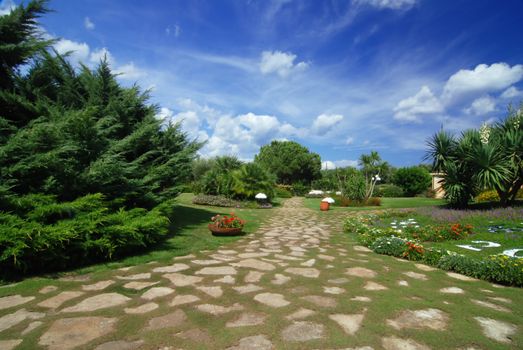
[489,158]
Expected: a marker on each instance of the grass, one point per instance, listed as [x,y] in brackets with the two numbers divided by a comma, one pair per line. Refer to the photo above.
[386,203]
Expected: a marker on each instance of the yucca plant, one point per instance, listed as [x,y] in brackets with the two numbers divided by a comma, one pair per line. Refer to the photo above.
[488,158]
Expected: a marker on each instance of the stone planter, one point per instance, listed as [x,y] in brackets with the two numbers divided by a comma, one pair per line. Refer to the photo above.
[224,231]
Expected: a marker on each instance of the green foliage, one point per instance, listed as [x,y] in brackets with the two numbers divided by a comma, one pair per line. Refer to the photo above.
[290,162]
[283,191]
[433,255]
[65,134]
[19,40]
[404,243]
[355,187]
[489,158]
[300,189]
[59,235]
[251,179]
[389,191]
[413,180]
[372,166]
[394,246]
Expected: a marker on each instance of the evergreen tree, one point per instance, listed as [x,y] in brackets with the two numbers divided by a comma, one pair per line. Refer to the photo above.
[86,169]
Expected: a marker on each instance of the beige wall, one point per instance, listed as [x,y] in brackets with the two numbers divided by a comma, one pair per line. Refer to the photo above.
[436,184]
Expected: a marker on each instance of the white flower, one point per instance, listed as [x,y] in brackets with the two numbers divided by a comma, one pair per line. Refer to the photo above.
[484,133]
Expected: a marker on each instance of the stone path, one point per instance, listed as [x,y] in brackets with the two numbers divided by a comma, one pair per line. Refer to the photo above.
[299,283]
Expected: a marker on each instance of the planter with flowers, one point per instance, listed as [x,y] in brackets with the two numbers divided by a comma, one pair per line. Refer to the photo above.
[226,225]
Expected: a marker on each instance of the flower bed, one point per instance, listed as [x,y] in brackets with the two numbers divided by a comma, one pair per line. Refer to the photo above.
[406,242]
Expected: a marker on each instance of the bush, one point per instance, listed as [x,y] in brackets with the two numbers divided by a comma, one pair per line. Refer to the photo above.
[355,187]
[299,189]
[252,179]
[282,191]
[493,196]
[394,246]
[504,269]
[64,235]
[389,191]
[413,180]
[216,201]
[373,202]
[487,196]
[461,264]
[433,255]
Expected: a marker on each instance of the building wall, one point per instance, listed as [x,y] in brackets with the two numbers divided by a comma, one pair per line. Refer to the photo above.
[437,186]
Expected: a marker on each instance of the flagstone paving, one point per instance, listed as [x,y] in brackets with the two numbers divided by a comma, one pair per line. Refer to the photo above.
[298,283]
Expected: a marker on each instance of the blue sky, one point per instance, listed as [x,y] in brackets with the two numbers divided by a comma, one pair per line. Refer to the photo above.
[340,77]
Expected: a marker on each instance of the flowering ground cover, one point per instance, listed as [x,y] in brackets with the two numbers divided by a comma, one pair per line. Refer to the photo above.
[470,246]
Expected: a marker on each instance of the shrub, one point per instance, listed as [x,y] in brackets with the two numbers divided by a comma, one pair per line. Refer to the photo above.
[504,269]
[65,235]
[282,192]
[217,201]
[355,187]
[299,189]
[413,180]
[394,246]
[433,255]
[251,179]
[341,201]
[461,264]
[389,191]
[373,202]
[487,196]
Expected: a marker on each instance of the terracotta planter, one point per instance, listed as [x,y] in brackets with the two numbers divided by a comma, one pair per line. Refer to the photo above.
[224,231]
[324,206]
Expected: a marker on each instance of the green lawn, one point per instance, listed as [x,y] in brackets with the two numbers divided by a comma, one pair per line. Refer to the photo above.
[386,203]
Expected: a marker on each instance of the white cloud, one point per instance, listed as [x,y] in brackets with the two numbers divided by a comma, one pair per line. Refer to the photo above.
[280,62]
[512,92]
[175,30]
[97,55]
[481,106]
[412,108]
[6,7]
[483,78]
[329,164]
[88,24]
[79,52]
[388,4]
[349,140]
[325,122]
[129,72]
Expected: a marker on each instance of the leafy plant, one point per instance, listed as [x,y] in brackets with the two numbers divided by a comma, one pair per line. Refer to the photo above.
[394,246]
[389,191]
[413,180]
[251,179]
[489,158]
